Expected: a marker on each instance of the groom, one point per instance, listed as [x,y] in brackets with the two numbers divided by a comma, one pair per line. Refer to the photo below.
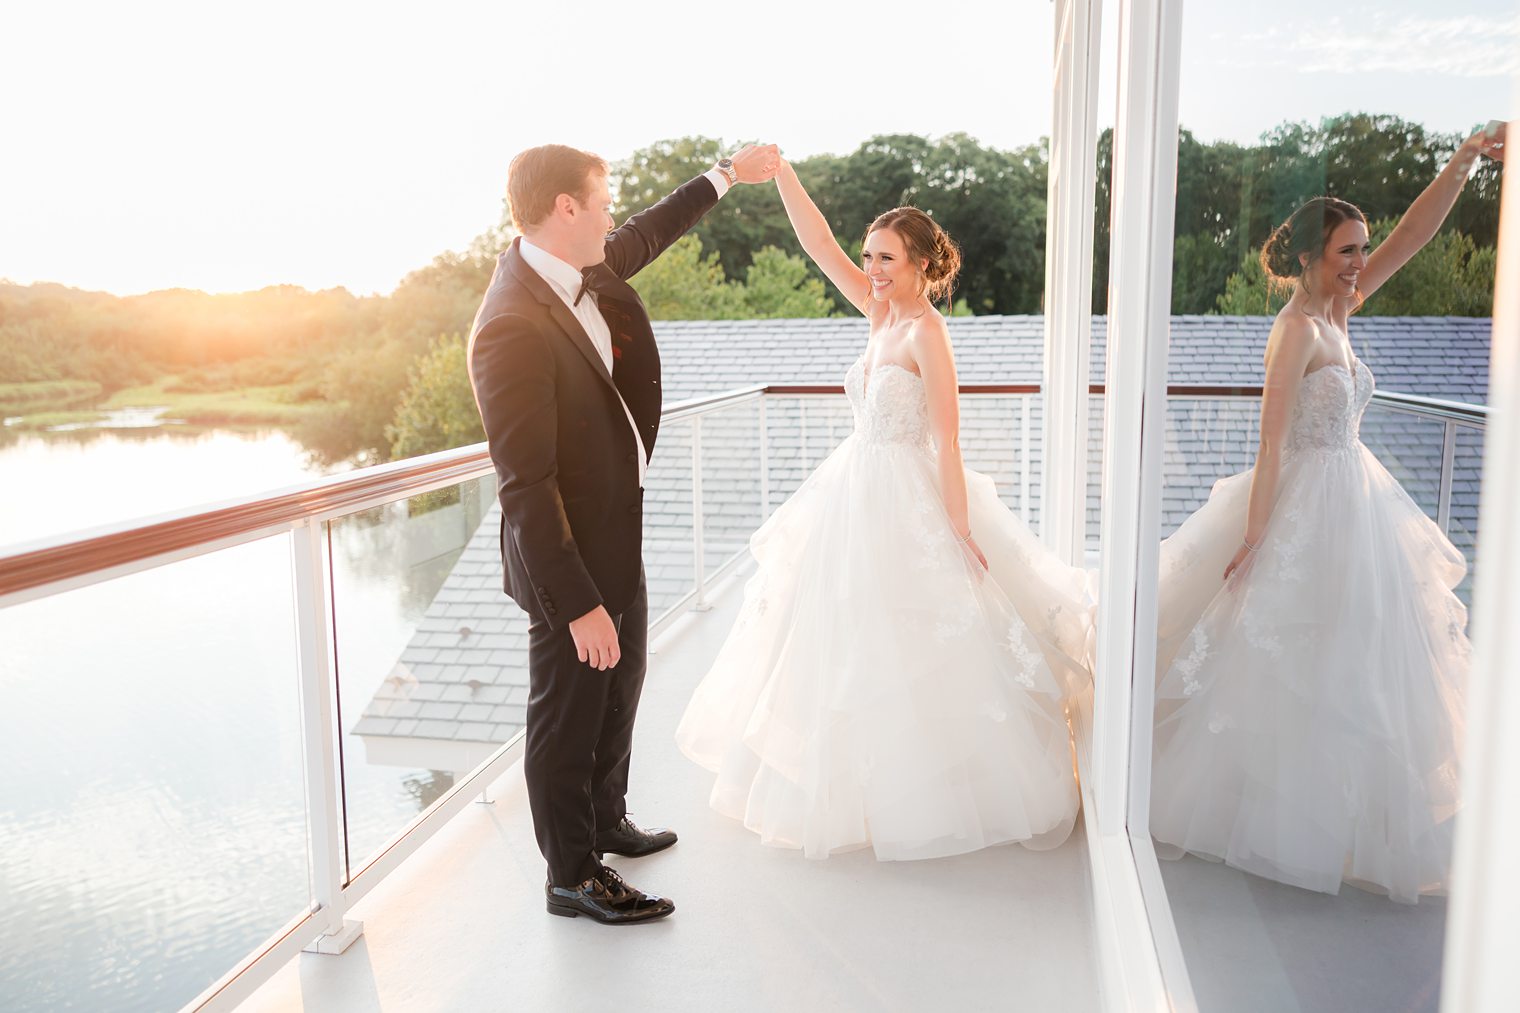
[567,380]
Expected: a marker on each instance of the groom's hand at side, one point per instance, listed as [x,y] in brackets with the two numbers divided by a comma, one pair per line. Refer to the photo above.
[756,163]
[596,639]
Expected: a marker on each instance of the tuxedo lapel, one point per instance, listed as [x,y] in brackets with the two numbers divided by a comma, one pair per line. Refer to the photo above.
[558,312]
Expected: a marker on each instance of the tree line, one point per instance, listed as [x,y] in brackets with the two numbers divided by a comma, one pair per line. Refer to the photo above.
[382,376]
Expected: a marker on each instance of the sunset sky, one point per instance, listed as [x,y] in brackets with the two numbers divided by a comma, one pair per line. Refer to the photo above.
[228,147]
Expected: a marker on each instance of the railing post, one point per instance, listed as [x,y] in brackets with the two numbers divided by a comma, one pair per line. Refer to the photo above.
[802,430]
[318,730]
[765,463]
[699,604]
[1448,459]
[1025,407]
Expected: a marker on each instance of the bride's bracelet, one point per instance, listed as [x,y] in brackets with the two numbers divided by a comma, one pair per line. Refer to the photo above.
[966,539]
[1249,547]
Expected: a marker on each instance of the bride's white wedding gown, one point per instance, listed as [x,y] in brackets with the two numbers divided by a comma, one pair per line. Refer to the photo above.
[878,688]
[1310,717]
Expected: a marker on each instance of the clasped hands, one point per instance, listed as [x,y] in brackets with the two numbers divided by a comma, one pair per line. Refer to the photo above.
[756,163]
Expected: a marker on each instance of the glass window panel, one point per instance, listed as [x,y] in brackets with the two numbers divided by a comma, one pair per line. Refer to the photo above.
[153,809]
[1274,112]
[431,655]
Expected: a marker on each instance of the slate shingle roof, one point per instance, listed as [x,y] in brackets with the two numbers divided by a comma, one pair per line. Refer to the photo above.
[472,686]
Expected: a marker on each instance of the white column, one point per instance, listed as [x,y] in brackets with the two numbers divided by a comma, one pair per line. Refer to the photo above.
[698,539]
[1068,278]
[1482,931]
[1140,286]
[1139,308]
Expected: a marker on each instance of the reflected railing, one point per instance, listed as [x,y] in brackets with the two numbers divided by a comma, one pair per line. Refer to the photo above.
[398,693]
[1432,446]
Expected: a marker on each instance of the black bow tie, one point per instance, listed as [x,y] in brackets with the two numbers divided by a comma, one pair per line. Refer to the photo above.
[587,285]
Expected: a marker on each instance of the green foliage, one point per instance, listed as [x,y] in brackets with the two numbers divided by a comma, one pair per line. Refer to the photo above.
[748,219]
[360,388]
[1246,293]
[1230,197]
[682,284]
[360,385]
[39,395]
[1451,276]
[779,286]
[437,412]
[992,202]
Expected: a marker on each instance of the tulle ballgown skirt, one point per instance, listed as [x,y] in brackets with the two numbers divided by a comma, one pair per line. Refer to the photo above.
[878,688]
[1310,715]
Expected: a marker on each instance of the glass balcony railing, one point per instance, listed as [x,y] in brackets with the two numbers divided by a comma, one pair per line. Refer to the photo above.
[227,725]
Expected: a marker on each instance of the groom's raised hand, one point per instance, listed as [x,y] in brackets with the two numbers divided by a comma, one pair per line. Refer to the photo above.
[756,163]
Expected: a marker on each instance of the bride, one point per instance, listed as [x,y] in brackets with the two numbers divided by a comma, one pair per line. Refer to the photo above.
[1312,657]
[897,674]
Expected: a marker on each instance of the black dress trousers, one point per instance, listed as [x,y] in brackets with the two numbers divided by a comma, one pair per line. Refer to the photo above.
[580,739]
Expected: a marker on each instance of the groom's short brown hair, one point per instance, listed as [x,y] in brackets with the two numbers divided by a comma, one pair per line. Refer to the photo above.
[539,175]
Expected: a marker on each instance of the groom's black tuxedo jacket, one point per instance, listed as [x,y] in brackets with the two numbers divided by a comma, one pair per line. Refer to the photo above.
[566,460]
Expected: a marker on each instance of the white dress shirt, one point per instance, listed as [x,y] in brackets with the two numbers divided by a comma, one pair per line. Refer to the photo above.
[566,282]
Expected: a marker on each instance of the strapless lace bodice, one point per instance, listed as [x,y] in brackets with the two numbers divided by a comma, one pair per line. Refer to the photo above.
[1328,415]
[889,404]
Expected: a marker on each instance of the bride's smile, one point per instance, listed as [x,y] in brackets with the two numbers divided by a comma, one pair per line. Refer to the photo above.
[885,262]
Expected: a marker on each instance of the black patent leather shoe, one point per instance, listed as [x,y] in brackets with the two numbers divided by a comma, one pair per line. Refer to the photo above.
[631,841]
[607,898]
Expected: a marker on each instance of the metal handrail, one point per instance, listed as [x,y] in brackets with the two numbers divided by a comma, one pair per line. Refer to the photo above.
[74,559]
[1472,416]
[1451,414]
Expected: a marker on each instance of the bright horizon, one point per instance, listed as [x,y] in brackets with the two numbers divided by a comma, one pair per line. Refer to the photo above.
[349,145]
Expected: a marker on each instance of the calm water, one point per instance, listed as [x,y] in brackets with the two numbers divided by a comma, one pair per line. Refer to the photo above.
[152,804]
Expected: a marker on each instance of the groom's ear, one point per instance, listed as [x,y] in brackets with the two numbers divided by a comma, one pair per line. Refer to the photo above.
[567,204]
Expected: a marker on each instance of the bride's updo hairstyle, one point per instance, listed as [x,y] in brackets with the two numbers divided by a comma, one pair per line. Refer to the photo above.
[1307,230]
[925,241]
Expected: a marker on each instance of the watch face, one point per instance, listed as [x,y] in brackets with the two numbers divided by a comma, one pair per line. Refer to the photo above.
[725,163]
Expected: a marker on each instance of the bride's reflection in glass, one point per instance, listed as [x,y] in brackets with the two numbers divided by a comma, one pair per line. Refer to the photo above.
[1312,657]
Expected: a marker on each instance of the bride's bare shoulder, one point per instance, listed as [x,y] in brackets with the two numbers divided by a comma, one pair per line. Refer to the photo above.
[929,340]
[1292,343]
[1292,327]
[930,327]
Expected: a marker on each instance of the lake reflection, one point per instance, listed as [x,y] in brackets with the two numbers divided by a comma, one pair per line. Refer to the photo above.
[70,481]
[153,808]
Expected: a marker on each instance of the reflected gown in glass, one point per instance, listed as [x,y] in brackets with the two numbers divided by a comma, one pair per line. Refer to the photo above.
[1310,716]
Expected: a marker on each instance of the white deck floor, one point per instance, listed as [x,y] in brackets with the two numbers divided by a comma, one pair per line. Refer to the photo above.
[461,925]
[1255,946]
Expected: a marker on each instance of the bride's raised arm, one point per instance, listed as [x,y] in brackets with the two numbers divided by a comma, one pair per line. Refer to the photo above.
[1424,217]
[818,240]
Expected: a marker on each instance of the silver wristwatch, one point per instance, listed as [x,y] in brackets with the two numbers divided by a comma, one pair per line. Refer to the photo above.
[726,166]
